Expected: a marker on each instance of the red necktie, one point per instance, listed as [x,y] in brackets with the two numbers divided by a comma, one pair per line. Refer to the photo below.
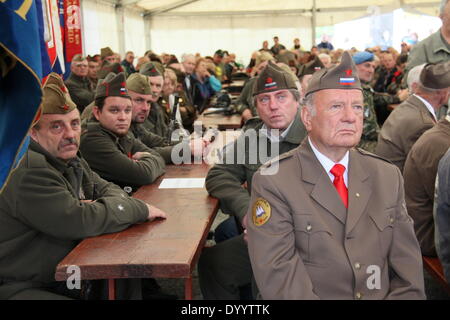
[338,172]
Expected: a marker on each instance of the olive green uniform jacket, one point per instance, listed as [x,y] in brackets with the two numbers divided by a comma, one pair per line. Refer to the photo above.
[110,156]
[245,100]
[312,247]
[80,91]
[224,181]
[157,121]
[42,218]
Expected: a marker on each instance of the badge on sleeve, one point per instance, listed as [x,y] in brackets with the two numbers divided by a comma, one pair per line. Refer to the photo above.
[261,212]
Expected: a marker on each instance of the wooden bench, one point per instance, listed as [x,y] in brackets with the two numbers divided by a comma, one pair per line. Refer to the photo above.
[434,267]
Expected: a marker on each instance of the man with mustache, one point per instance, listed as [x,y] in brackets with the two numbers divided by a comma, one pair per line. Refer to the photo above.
[332,223]
[108,146]
[52,201]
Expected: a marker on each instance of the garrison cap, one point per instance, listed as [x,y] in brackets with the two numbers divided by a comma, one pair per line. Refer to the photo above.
[436,75]
[106,52]
[264,56]
[343,76]
[108,68]
[149,69]
[138,83]
[273,78]
[311,67]
[113,85]
[56,98]
[363,56]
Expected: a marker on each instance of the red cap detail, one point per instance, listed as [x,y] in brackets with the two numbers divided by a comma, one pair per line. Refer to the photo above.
[269,80]
[348,72]
[63,89]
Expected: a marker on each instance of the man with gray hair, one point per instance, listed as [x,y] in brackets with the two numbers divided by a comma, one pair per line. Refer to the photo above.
[416,115]
[188,62]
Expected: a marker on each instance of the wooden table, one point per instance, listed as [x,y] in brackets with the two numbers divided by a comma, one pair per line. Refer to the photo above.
[159,249]
[220,121]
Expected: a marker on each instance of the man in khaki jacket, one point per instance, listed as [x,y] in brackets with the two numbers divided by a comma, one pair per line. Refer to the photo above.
[329,225]
[415,115]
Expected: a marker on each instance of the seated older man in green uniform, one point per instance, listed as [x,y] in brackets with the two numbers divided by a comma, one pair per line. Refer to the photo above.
[226,266]
[141,98]
[52,201]
[108,146]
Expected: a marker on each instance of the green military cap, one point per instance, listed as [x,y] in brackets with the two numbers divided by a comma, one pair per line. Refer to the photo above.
[138,83]
[263,56]
[288,70]
[436,75]
[106,52]
[273,78]
[108,68]
[286,56]
[56,98]
[113,85]
[311,67]
[343,76]
[149,69]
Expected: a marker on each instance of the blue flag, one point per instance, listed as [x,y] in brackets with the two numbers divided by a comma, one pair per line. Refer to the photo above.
[21,72]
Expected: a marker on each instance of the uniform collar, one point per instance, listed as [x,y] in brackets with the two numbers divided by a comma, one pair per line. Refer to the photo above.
[58,164]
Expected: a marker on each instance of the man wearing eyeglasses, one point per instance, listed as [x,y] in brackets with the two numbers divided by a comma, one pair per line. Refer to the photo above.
[78,83]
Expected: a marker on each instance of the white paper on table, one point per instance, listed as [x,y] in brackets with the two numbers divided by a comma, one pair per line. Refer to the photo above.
[182,183]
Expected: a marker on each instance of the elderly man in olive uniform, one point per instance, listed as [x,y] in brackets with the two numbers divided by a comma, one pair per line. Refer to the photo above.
[226,266]
[108,146]
[141,98]
[414,116]
[328,225]
[52,201]
[78,83]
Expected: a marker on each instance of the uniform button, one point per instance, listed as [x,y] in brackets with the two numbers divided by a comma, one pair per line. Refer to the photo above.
[357,266]
[357,195]
[308,227]
[391,220]
[358,295]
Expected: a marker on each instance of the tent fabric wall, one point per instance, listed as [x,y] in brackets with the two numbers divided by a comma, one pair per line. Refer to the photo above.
[134,32]
[242,35]
[99,26]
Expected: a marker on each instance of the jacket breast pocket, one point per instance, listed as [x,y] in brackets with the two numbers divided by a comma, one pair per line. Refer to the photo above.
[384,223]
[313,240]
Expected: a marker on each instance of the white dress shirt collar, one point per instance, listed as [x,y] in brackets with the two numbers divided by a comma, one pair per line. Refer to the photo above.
[327,163]
[428,105]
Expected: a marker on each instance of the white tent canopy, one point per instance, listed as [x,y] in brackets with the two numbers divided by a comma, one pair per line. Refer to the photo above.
[179,26]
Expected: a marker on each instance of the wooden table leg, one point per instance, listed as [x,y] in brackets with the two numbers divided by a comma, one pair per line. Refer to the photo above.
[188,288]
[111,289]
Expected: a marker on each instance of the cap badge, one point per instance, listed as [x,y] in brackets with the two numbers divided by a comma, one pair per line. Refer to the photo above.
[270,84]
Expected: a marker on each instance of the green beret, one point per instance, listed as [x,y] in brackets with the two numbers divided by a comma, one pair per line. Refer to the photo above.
[343,76]
[138,83]
[273,78]
[113,85]
[56,98]
[149,69]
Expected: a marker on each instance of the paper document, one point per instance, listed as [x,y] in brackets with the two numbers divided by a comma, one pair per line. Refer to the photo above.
[182,183]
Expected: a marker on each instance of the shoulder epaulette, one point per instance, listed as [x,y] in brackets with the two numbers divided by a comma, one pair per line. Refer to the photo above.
[279,158]
[370,154]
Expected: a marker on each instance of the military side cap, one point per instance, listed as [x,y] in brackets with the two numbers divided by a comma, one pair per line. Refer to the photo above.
[108,68]
[311,67]
[149,69]
[106,52]
[113,85]
[288,70]
[138,83]
[436,75]
[56,98]
[264,56]
[273,78]
[363,56]
[343,76]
